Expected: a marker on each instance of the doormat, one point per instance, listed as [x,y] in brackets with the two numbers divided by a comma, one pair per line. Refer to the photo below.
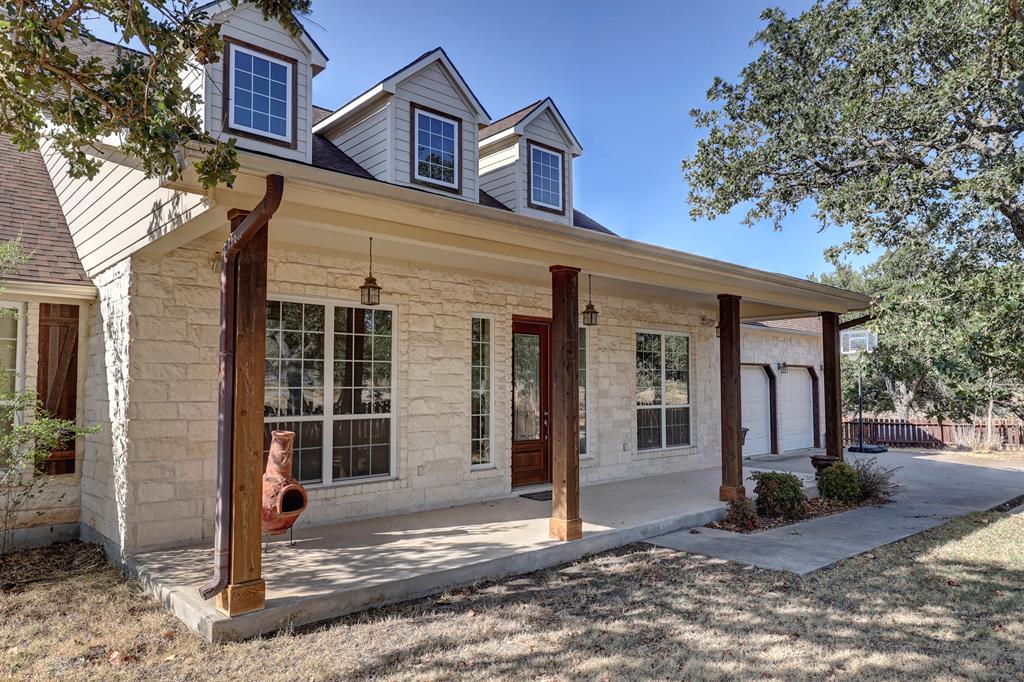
[543,496]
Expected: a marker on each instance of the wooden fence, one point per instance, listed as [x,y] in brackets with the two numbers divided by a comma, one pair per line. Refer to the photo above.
[925,434]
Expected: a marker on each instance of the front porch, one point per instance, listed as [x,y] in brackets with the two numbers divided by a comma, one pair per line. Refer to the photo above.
[338,569]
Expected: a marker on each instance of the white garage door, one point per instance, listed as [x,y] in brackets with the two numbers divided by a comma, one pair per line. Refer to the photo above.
[796,409]
[755,411]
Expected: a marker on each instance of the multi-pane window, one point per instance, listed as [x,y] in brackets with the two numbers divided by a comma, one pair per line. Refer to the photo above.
[329,379]
[480,391]
[260,90]
[437,148]
[10,354]
[662,390]
[545,177]
[583,390]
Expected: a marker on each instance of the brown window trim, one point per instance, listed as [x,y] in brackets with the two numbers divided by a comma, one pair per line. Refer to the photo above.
[226,94]
[529,177]
[413,108]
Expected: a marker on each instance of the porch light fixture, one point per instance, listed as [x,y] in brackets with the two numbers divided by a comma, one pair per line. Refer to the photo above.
[590,312]
[782,367]
[369,293]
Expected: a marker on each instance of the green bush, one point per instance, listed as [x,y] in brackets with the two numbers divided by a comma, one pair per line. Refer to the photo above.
[839,483]
[779,494]
[742,514]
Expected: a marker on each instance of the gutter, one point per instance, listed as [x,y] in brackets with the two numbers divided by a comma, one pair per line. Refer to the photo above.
[238,238]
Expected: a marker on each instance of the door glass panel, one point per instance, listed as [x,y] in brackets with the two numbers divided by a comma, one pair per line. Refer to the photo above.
[526,391]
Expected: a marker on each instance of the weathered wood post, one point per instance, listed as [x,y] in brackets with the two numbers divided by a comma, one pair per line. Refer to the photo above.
[833,385]
[565,523]
[729,347]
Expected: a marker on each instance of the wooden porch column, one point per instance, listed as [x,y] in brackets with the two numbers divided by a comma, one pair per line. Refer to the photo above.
[833,385]
[732,450]
[246,590]
[566,523]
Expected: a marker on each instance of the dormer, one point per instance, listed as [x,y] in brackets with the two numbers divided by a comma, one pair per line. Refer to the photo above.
[417,127]
[526,161]
[261,92]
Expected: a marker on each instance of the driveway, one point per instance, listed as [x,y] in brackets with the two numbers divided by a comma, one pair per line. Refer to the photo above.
[937,487]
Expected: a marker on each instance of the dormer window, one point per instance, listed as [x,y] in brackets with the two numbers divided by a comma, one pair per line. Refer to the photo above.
[261,94]
[436,148]
[546,178]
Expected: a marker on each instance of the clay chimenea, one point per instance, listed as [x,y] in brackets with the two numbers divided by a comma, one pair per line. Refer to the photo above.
[284,498]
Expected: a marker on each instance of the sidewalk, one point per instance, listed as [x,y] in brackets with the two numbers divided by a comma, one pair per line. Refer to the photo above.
[937,488]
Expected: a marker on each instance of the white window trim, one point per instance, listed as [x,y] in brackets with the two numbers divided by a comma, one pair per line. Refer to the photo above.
[288,91]
[664,406]
[561,177]
[414,151]
[490,396]
[589,454]
[326,472]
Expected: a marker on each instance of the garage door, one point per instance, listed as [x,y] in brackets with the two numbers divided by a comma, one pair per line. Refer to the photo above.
[755,411]
[796,409]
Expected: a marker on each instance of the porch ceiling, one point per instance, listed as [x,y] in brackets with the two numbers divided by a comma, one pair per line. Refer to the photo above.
[327,211]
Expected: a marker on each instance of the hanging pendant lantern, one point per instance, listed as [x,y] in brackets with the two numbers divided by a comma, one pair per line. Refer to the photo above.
[590,312]
[369,293]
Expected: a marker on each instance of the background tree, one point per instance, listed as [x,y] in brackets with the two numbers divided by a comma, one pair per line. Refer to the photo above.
[902,119]
[52,85]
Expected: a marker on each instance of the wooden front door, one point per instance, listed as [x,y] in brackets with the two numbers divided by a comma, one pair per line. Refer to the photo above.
[531,395]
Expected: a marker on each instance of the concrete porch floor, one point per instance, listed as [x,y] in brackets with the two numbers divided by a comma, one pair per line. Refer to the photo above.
[339,569]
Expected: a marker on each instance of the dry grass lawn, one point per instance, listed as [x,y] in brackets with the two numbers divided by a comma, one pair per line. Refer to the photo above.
[944,605]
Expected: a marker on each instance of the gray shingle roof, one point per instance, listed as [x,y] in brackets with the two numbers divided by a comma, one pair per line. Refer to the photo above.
[508,121]
[29,210]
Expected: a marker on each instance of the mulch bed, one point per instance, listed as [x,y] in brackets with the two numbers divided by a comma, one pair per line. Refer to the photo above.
[816,508]
[58,561]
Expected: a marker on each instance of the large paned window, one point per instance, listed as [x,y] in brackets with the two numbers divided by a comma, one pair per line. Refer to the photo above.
[545,178]
[11,339]
[261,92]
[583,390]
[662,390]
[480,392]
[329,379]
[437,148]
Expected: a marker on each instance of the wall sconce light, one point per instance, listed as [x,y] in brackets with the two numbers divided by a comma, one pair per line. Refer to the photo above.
[369,293]
[590,312]
[822,367]
[782,367]
[718,331]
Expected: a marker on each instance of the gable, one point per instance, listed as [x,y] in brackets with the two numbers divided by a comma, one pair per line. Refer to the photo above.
[247,23]
[431,86]
[545,129]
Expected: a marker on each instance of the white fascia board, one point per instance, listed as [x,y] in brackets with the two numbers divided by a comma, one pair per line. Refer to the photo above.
[318,58]
[498,137]
[352,107]
[47,291]
[778,330]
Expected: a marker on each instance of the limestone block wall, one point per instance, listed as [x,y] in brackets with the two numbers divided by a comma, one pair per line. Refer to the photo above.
[168,445]
[105,499]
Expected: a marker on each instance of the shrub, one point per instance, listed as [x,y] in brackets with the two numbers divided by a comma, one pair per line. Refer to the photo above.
[779,494]
[742,514]
[839,483]
[876,481]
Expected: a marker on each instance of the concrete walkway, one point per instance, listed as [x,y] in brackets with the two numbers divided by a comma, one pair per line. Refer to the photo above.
[937,488]
[342,568]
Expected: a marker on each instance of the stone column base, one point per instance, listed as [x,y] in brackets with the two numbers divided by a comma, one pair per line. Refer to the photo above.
[560,529]
[241,598]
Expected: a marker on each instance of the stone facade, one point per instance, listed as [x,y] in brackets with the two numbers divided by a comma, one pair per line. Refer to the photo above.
[150,476]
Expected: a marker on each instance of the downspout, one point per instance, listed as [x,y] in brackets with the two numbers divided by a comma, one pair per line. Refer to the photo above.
[238,238]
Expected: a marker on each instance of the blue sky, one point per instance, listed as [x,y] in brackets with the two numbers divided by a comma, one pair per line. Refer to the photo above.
[625,76]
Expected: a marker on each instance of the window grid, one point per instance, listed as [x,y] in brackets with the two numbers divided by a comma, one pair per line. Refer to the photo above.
[662,390]
[546,177]
[480,392]
[352,438]
[436,149]
[260,93]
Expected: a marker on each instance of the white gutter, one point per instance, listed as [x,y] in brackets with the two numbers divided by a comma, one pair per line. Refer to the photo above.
[47,291]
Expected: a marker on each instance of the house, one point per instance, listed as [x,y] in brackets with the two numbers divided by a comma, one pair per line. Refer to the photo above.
[472,379]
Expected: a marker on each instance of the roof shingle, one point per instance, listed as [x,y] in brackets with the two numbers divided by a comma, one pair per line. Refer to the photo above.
[29,210]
